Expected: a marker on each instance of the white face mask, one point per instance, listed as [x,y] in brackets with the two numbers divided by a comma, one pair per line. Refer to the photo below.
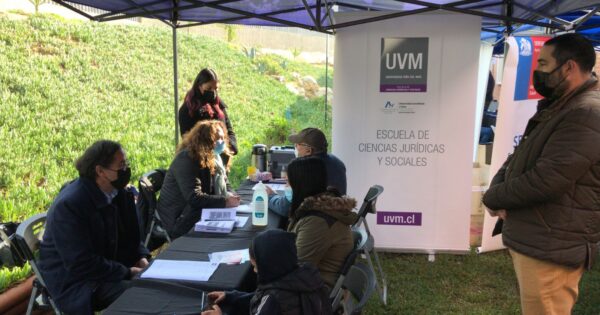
[296,152]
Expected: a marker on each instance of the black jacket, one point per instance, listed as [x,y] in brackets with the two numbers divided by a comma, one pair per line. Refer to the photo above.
[87,242]
[336,171]
[300,292]
[187,122]
[180,203]
[284,287]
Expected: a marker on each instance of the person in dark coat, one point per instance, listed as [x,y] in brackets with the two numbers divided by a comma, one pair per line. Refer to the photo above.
[320,217]
[196,179]
[547,192]
[487,133]
[310,142]
[91,245]
[284,286]
[202,102]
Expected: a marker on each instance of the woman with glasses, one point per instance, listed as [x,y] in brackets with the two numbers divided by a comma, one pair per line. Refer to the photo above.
[91,245]
[196,179]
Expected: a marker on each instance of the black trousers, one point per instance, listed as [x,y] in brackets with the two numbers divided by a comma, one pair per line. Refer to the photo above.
[106,293]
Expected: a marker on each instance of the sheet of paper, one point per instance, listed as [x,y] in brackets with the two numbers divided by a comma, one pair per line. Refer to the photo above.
[240,221]
[230,257]
[218,214]
[243,209]
[277,187]
[239,209]
[180,270]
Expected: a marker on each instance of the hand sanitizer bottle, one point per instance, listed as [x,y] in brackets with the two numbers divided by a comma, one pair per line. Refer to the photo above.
[260,204]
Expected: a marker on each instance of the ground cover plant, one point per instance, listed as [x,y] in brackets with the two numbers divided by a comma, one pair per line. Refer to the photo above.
[65,84]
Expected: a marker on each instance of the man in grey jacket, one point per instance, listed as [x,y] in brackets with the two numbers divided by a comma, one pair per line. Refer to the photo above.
[547,193]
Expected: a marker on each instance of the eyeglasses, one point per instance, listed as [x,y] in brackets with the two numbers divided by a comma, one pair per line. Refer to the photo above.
[123,166]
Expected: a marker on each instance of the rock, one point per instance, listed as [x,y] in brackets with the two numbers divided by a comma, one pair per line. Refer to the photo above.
[322,91]
[308,80]
[310,85]
[293,88]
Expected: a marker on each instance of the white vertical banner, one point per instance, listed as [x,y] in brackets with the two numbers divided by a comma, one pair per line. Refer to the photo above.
[403,117]
[517,103]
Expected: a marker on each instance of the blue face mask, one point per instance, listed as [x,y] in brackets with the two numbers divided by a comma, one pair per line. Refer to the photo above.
[219,146]
[288,193]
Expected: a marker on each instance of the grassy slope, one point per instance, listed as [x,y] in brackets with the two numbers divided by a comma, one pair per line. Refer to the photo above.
[65,84]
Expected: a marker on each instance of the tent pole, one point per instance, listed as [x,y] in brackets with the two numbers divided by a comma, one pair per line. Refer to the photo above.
[326,71]
[175,91]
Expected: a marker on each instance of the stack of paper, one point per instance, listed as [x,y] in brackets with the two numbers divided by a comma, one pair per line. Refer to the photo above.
[243,209]
[219,220]
[180,270]
[214,226]
[218,214]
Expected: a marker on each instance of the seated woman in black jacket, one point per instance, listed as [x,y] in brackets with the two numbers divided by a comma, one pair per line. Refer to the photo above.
[285,286]
[196,179]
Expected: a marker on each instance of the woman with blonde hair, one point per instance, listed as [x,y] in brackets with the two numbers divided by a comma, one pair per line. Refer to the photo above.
[196,179]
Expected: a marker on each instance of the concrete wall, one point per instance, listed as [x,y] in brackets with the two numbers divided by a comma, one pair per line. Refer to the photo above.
[278,40]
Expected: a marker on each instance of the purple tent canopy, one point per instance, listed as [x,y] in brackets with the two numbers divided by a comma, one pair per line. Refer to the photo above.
[319,15]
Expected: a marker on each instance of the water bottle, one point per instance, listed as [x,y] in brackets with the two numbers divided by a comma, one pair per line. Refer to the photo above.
[283,172]
[260,204]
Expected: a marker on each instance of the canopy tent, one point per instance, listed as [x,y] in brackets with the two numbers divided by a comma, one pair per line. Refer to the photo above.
[584,21]
[500,17]
[317,15]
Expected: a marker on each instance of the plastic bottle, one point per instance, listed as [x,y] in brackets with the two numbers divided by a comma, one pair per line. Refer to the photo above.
[260,205]
[283,172]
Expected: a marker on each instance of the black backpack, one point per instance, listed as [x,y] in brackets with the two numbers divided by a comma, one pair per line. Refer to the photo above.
[149,186]
[9,257]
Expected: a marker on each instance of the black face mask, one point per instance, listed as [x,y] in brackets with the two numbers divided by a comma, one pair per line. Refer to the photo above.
[209,96]
[540,83]
[123,177]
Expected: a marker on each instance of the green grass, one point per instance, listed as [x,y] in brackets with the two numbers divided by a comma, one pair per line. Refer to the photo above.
[65,84]
[464,284]
[9,276]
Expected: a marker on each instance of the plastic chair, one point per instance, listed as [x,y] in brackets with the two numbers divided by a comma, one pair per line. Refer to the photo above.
[360,283]
[27,241]
[369,203]
[149,185]
[336,294]
[367,246]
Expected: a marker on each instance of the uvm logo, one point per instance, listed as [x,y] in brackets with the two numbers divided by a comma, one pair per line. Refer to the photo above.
[525,49]
[388,105]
